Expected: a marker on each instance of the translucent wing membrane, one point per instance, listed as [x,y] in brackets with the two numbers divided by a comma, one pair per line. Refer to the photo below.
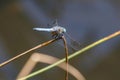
[72,43]
[55,23]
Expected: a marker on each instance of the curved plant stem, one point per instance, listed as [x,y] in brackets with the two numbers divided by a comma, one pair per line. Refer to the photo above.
[66,56]
[36,47]
[73,55]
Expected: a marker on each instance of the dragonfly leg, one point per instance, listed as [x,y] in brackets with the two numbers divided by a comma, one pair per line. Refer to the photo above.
[56,35]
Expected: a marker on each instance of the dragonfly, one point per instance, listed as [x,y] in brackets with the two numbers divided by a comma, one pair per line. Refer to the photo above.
[59,31]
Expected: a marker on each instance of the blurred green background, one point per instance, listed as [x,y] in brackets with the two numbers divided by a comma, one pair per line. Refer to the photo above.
[85,20]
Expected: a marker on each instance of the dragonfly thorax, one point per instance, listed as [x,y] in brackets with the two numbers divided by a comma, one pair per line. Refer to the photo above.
[59,29]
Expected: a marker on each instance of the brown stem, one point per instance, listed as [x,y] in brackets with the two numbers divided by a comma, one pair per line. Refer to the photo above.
[14,58]
[66,56]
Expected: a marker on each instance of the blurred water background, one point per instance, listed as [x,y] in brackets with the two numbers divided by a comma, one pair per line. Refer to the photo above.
[85,20]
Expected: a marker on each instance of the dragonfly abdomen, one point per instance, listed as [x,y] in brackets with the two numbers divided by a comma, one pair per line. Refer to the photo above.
[43,29]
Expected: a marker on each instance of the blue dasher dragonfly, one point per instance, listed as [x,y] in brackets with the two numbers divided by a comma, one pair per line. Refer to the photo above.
[57,32]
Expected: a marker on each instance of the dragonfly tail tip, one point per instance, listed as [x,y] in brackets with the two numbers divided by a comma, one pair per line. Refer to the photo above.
[34,29]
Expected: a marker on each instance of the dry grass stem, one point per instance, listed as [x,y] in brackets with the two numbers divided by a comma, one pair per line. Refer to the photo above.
[21,54]
[66,56]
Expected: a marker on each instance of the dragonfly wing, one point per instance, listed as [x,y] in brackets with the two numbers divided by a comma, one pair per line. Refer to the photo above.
[72,43]
[71,47]
[55,23]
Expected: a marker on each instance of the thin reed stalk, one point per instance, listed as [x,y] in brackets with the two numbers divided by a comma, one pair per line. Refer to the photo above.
[21,54]
[66,56]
